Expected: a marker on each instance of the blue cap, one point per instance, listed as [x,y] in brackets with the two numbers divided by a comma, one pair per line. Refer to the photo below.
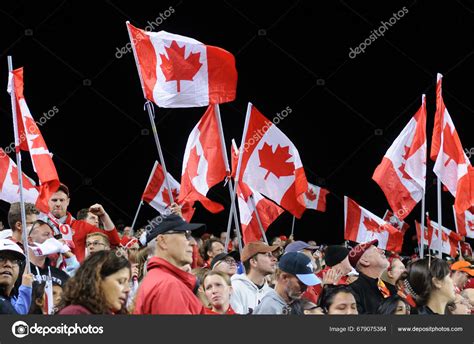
[300,265]
[298,246]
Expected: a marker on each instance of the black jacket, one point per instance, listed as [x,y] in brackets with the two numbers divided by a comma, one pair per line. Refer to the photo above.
[6,307]
[367,294]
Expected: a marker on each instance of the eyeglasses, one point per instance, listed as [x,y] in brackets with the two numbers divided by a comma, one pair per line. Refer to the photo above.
[13,261]
[228,260]
[94,243]
[187,234]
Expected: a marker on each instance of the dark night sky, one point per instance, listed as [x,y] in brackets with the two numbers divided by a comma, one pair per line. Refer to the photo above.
[346,112]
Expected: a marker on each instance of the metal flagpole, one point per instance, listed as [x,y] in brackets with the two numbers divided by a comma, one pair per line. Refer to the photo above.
[155,165]
[440,217]
[422,234]
[136,215]
[151,115]
[293,225]
[457,231]
[24,233]
[262,230]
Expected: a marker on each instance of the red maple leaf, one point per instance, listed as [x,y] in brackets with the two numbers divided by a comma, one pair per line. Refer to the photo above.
[32,129]
[166,197]
[193,163]
[176,67]
[276,163]
[26,182]
[407,152]
[310,195]
[451,147]
[372,225]
[405,175]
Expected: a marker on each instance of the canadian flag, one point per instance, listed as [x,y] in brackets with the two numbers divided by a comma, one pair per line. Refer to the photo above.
[449,239]
[363,226]
[465,223]
[203,163]
[271,164]
[266,209]
[156,192]
[402,173]
[178,71]
[248,207]
[452,166]
[31,140]
[395,221]
[9,188]
[315,197]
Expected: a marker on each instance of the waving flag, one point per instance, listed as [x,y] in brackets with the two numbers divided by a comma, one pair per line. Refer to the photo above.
[9,188]
[465,223]
[315,197]
[266,209]
[449,239]
[402,173]
[363,226]
[395,221]
[452,166]
[272,166]
[178,71]
[31,140]
[203,163]
[156,192]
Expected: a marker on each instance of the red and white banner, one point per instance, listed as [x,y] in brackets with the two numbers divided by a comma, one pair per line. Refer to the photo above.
[272,166]
[395,221]
[9,188]
[363,226]
[266,209]
[452,166]
[31,140]
[402,173]
[203,163]
[465,223]
[315,197]
[156,192]
[178,71]
[449,239]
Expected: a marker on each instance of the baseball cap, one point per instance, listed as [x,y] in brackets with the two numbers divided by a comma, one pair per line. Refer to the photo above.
[300,265]
[335,254]
[299,246]
[7,245]
[169,223]
[223,256]
[253,248]
[463,266]
[356,253]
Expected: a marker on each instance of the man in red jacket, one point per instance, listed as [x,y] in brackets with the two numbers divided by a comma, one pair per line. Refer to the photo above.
[166,288]
[74,230]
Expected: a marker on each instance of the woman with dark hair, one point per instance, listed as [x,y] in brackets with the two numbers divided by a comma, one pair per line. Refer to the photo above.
[100,286]
[393,305]
[338,300]
[430,283]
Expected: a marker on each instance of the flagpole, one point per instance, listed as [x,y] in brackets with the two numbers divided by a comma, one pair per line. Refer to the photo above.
[262,230]
[151,115]
[457,231]
[244,134]
[136,214]
[233,207]
[422,236]
[24,233]
[440,217]
[293,225]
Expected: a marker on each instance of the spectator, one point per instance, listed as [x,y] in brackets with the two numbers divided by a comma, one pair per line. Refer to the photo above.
[250,288]
[469,295]
[369,290]
[460,306]
[294,274]
[200,273]
[14,220]
[87,216]
[38,300]
[100,286]
[461,271]
[338,300]
[430,283]
[212,248]
[226,263]
[394,305]
[96,242]
[218,289]
[166,288]
[395,269]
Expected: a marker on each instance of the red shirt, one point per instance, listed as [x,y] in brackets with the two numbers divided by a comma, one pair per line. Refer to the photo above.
[312,293]
[209,311]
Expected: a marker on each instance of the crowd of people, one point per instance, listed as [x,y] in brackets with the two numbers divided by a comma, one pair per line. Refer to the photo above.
[85,265]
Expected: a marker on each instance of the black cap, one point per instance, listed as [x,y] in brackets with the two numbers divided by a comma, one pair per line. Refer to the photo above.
[335,254]
[169,223]
[222,256]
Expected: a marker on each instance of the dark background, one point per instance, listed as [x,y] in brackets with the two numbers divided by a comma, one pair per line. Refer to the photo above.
[345,112]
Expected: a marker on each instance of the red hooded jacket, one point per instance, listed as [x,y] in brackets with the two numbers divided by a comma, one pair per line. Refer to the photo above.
[167,289]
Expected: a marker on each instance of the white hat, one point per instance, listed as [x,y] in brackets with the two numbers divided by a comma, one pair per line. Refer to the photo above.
[7,245]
